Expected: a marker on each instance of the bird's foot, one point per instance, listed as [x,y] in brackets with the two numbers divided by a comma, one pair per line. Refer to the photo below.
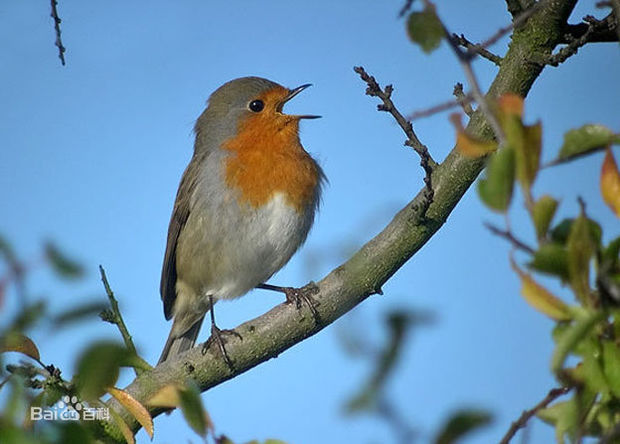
[217,338]
[298,296]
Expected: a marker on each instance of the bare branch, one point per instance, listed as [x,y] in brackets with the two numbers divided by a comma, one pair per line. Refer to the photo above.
[57,21]
[426,161]
[527,414]
[516,23]
[592,30]
[463,99]
[113,316]
[406,7]
[506,234]
[478,49]
[604,30]
[465,61]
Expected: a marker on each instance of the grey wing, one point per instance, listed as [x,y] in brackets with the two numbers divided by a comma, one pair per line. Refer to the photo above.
[180,214]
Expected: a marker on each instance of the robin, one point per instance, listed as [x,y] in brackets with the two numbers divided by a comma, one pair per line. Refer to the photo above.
[245,204]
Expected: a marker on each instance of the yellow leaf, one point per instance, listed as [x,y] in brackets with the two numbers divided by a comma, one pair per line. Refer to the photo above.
[123,427]
[135,408]
[610,182]
[511,104]
[168,397]
[19,343]
[473,148]
[468,146]
[540,298]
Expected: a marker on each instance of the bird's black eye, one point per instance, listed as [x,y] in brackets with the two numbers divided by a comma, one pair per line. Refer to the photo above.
[256,106]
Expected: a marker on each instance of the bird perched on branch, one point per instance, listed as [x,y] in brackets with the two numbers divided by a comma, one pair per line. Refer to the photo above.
[245,204]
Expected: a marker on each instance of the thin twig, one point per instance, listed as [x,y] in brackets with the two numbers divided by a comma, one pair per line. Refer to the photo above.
[57,21]
[463,101]
[465,58]
[506,234]
[406,7]
[527,414]
[426,161]
[516,23]
[478,49]
[605,30]
[113,316]
[593,26]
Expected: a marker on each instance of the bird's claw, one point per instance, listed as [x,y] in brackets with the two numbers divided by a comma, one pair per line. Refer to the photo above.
[216,336]
[298,296]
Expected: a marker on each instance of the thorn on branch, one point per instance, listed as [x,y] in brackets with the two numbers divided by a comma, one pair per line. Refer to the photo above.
[57,21]
[426,161]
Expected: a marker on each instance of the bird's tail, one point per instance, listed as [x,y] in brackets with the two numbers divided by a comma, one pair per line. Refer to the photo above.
[178,344]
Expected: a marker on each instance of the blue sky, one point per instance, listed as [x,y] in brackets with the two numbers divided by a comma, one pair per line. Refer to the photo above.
[93,152]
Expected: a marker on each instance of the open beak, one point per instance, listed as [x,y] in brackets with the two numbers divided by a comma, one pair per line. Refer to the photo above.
[292,93]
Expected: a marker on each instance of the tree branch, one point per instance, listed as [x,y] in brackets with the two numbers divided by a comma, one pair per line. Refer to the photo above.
[506,234]
[426,161]
[605,30]
[527,414]
[267,336]
[478,49]
[463,100]
[57,21]
[113,316]
[516,7]
[579,35]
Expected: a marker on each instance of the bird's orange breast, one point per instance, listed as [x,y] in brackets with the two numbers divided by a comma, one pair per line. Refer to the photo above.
[267,158]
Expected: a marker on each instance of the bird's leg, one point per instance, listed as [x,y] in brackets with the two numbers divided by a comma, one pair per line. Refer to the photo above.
[297,296]
[216,336]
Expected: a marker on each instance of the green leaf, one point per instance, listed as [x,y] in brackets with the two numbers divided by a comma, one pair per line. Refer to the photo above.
[11,434]
[611,254]
[562,230]
[193,409]
[98,368]
[62,265]
[495,189]
[584,140]
[542,214]
[564,416]
[526,140]
[611,366]
[592,369]
[79,313]
[580,248]
[571,337]
[425,29]
[6,250]
[460,424]
[552,259]
[74,432]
